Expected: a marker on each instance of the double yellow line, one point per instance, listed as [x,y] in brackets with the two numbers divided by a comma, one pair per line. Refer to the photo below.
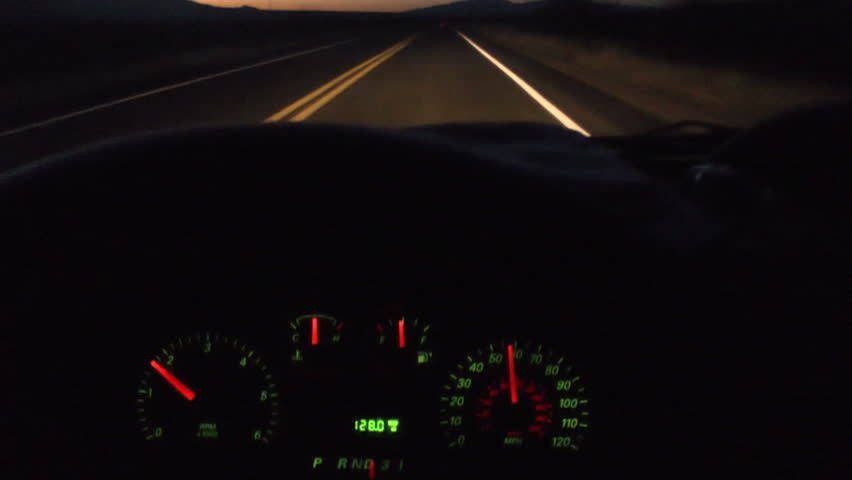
[326,93]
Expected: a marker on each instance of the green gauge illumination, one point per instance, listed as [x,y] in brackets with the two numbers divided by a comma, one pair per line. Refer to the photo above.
[511,395]
[379,425]
[207,388]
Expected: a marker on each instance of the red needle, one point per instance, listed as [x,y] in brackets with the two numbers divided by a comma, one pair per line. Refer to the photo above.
[179,386]
[314,331]
[372,469]
[402,333]
[513,386]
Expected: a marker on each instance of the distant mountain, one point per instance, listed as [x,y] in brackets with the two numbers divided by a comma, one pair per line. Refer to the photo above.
[118,10]
[149,11]
[477,8]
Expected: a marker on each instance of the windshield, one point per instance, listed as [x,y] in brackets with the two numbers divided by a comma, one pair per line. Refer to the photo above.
[83,71]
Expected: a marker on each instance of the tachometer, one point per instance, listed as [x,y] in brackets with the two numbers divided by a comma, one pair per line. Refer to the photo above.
[512,395]
[207,388]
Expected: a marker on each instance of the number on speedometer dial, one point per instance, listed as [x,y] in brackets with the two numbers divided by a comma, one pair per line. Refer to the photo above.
[512,395]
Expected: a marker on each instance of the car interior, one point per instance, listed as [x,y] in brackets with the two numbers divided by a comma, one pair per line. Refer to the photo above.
[451,301]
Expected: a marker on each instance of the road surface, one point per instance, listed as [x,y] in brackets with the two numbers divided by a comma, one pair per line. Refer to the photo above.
[392,79]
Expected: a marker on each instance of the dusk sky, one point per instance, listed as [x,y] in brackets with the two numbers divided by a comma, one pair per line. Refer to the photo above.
[360,5]
[339,5]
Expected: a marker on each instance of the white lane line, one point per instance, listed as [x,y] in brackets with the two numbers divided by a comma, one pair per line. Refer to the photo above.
[167,88]
[565,120]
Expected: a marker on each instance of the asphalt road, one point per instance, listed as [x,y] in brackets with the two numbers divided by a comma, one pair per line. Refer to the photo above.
[392,79]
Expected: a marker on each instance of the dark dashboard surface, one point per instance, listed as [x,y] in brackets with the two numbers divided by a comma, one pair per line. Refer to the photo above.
[704,348]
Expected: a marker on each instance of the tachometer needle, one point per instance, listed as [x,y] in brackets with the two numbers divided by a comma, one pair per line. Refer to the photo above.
[179,386]
[513,386]
[402,333]
[372,469]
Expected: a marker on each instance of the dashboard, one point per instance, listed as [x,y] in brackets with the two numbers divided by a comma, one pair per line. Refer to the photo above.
[456,316]
[364,394]
[373,395]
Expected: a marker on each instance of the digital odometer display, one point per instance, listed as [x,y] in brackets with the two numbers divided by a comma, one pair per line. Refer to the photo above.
[514,395]
[377,426]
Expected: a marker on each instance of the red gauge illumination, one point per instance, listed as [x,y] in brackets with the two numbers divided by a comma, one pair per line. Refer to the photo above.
[492,414]
[314,331]
[513,387]
[173,381]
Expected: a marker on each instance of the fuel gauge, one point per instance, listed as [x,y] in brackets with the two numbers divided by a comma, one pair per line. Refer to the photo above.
[408,337]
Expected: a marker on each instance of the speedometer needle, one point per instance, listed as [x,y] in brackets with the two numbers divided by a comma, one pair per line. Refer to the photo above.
[179,386]
[513,386]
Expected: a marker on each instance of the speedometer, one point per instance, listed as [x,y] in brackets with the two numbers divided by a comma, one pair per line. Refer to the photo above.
[514,395]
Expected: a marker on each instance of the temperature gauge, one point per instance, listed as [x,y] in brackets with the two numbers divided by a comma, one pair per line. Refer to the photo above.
[409,337]
[312,336]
